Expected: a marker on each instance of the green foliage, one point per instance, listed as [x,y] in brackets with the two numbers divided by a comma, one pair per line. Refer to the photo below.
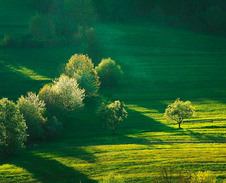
[92,45]
[42,27]
[64,94]
[47,94]
[6,41]
[36,27]
[12,128]
[201,177]
[43,5]
[109,72]
[174,175]
[112,114]
[53,127]
[32,109]
[179,110]
[112,178]
[81,68]
[61,18]
[80,12]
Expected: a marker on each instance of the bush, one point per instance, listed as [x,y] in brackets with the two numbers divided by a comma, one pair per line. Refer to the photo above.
[175,175]
[112,114]
[48,96]
[63,94]
[7,41]
[12,128]
[42,28]
[200,177]
[172,175]
[36,27]
[32,109]
[81,68]
[53,127]
[112,178]
[109,72]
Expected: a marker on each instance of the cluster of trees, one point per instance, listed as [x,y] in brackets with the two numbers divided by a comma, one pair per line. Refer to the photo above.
[59,22]
[201,15]
[35,117]
[61,18]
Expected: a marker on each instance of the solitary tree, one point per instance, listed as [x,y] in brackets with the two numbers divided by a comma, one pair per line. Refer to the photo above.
[12,127]
[179,110]
[112,114]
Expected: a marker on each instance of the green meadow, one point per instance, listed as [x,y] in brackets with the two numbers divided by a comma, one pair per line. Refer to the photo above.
[160,64]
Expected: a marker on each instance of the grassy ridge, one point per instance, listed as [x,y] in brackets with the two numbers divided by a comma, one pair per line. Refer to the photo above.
[160,64]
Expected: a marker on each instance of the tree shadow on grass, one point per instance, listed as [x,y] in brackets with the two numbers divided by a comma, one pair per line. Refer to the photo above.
[73,152]
[47,170]
[206,137]
[126,133]
[144,123]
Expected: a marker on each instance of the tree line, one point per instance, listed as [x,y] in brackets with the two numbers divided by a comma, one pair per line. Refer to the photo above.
[208,16]
[41,116]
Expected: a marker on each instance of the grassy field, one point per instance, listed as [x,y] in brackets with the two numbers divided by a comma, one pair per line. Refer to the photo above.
[160,64]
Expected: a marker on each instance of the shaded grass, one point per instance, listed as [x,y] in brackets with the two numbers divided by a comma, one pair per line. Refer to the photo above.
[160,65]
[137,163]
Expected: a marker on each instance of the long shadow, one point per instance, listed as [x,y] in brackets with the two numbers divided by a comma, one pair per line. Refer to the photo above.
[73,152]
[126,133]
[144,123]
[47,170]
[206,137]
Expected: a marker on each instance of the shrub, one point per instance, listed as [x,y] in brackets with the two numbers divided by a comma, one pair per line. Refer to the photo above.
[112,114]
[32,109]
[172,175]
[94,46]
[200,177]
[36,27]
[112,178]
[63,94]
[12,128]
[7,41]
[42,28]
[109,72]
[48,96]
[81,68]
[53,127]
[179,110]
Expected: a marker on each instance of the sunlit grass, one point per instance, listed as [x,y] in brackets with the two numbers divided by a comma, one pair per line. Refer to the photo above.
[142,161]
[160,65]
[27,72]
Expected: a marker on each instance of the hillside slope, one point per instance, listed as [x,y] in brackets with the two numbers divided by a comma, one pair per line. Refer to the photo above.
[160,64]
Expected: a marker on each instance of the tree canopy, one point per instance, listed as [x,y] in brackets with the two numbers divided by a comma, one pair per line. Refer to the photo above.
[179,110]
[112,114]
[12,128]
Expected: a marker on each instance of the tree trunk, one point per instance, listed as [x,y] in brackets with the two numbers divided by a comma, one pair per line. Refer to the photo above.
[113,130]
[179,125]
